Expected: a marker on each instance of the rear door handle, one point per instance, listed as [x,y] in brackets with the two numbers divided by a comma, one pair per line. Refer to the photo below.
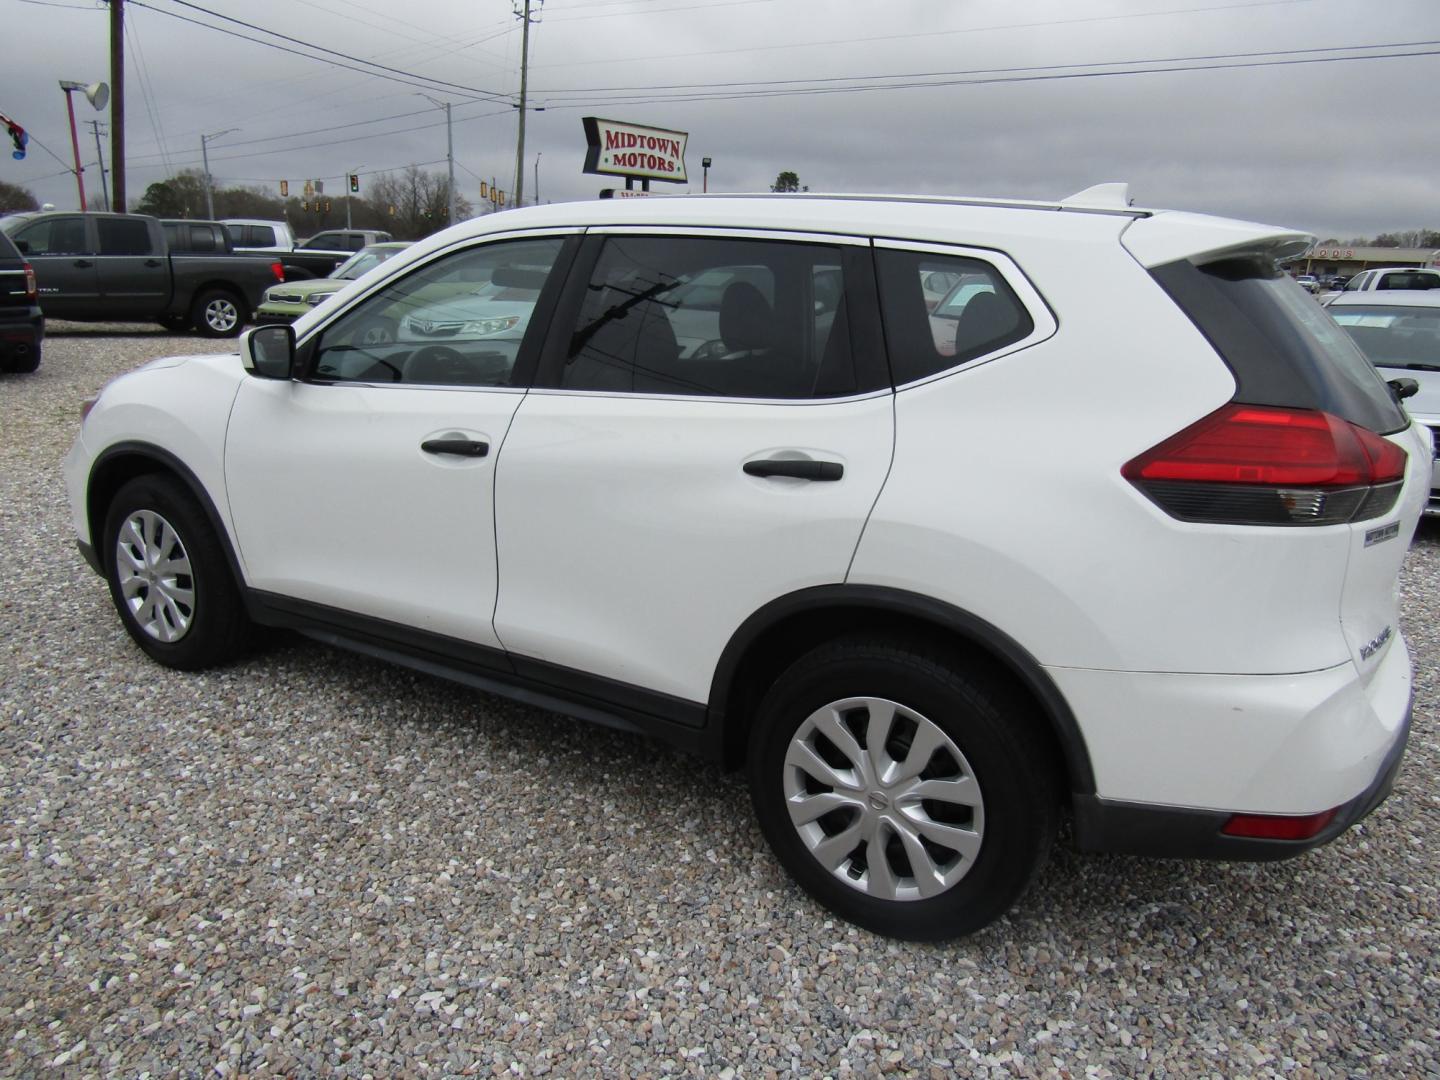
[801,469]
[463,447]
[153,262]
[83,264]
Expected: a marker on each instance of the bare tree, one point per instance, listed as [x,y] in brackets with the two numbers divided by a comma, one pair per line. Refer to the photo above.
[14,198]
[416,202]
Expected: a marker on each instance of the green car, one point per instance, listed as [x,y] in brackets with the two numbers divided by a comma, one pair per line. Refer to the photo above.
[287,302]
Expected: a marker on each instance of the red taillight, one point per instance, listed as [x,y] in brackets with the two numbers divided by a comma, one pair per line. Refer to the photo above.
[1256,464]
[32,291]
[1278,826]
[278,269]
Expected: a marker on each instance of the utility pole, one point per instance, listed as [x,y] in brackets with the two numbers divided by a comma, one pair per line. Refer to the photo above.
[95,127]
[117,102]
[209,183]
[450,159]
[524,15]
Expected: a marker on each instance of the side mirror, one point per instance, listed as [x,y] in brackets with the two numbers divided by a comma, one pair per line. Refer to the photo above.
[1404,388]
[268,352]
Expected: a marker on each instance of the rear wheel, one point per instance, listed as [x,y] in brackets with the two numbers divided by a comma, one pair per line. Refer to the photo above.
[903,789]
[217,313]
[169,577]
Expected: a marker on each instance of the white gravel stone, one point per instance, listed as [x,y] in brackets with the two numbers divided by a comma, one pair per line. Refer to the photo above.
[313,864]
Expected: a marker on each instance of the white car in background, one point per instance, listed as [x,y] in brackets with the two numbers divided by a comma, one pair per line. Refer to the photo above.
[1400,334]
[1387,279]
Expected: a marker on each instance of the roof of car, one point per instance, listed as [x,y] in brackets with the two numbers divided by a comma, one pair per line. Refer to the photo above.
[1153,237]
[1389,298]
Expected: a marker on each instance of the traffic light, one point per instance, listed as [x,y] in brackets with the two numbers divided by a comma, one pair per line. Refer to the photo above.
[354,183]
[305,205]
[327,206]
[484,190]
[284,189]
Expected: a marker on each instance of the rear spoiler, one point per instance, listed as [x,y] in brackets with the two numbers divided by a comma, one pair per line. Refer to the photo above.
[1169,236]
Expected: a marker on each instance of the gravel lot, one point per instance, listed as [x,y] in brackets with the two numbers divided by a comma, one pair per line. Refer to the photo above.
[315,864]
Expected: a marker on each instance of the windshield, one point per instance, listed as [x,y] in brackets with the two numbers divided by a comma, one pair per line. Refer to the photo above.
[362,261]
[1394,336]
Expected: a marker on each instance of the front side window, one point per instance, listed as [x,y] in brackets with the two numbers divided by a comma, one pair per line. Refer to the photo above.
[458,321]
[943,310]
[124,236]
[55,236]
[325,241]
[260,236]
[203,238]
[713,317]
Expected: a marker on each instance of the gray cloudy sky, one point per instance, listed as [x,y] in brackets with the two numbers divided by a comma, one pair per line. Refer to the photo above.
[1339,148]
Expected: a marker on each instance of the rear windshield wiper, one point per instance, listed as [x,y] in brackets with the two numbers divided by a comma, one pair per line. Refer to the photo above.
[1407,365]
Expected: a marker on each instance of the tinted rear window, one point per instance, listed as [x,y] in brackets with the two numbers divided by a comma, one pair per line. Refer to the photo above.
[7,249]
[1282,346]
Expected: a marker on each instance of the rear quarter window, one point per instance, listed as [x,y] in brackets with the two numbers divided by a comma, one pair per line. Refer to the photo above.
[941,311]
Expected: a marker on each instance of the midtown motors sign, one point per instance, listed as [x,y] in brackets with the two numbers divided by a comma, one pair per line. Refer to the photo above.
[630,150]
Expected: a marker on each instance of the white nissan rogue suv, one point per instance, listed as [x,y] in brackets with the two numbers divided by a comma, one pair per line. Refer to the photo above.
[1112,531]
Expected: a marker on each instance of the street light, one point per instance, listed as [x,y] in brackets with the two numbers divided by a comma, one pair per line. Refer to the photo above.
[449,147]
[705,164]
[97,94]
[209,183]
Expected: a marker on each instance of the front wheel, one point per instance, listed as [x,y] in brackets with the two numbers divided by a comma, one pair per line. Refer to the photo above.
[169,577]
[217,313]
[901,788]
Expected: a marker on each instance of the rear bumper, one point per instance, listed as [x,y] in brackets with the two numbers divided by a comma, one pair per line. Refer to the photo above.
[18,336]
[1175,832]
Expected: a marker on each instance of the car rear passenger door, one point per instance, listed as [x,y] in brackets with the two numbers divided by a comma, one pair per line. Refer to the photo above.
[133,267]
[683,459]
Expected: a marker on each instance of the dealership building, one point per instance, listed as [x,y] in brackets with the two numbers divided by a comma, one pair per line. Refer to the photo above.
[1323,260]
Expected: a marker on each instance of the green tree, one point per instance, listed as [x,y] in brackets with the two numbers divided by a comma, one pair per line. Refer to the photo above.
[181,196]
[788,181]
[14,198]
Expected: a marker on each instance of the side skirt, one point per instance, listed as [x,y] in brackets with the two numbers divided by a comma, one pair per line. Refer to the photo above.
[672,720]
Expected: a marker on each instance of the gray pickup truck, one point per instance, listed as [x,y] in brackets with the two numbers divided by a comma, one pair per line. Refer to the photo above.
[118,268]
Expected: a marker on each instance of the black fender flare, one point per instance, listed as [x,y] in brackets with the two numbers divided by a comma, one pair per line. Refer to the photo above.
[915,607]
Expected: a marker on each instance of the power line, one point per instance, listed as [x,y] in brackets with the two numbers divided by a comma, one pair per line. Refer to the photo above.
[825,90]
[334,52]
[857,79]
[934,33]
[483,94]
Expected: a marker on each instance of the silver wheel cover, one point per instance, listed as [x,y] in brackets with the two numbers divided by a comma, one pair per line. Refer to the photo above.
[221,314]
[153,571]
[883,799]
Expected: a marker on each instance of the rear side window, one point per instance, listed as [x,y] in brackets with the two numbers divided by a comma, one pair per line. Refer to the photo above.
[260,236]
[124,236]
[1283,348]
[944,310]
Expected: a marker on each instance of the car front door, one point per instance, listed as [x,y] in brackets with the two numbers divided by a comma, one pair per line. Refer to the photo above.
[683,459]
[366,487]
[62,251]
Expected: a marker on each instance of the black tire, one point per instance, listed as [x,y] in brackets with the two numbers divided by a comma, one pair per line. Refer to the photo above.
[176,324]
[218,313]
[205,619]
[23,365]
[1001,747]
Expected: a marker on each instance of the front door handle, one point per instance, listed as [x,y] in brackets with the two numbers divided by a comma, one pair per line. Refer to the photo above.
[463,447]
[801,469]
[153,262]
[83,264]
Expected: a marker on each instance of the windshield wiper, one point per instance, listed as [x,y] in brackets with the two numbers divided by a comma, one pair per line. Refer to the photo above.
[1407,365]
